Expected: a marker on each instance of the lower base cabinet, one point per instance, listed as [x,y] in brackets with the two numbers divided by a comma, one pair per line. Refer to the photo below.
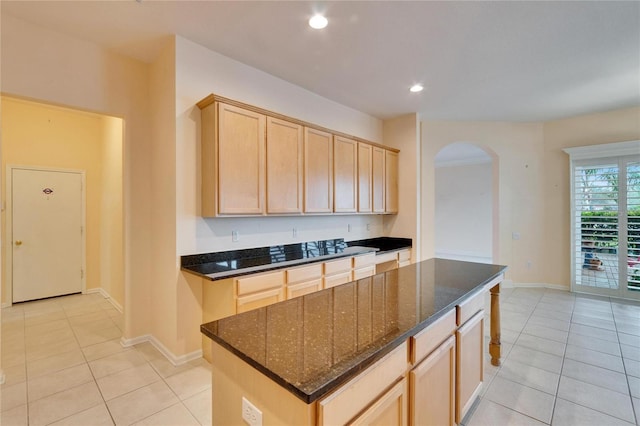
[469,363]
[389,409]
[432,387]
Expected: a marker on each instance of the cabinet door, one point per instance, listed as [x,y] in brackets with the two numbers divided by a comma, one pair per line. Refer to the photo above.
[284,166]
[345,169]
[259,300]
[241,146]
[391,182]
[432,387]
[318,171]
[377,179]
[469,366]
[365,178]
[389,410]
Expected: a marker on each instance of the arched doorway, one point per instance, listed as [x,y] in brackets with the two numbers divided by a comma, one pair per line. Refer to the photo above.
[466,203]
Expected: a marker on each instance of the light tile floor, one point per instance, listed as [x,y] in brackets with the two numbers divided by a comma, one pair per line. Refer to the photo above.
[567,360]
[64,365]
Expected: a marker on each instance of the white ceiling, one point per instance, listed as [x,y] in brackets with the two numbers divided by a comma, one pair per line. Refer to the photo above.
[510,61]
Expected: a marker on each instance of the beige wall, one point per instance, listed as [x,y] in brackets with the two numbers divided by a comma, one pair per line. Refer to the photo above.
[45,65]
[39,135]
[404,133]
[592,129]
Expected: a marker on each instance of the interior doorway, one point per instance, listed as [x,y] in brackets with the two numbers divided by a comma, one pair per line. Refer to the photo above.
[42,136]
[466,225]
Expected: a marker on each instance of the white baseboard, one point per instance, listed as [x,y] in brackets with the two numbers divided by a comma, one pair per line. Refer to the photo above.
[536,285]
[107,296]
[173,359]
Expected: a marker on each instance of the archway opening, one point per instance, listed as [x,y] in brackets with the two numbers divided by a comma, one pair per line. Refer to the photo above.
[466,203]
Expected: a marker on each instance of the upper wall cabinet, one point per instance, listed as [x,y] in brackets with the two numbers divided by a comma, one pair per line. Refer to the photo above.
[345,175]
[318,171]
[285,153]
[391,182]
[233,152]
[365,178]
[378,179]
[256,162]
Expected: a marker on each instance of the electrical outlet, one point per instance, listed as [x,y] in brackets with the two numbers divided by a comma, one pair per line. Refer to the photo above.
[515,235]
[349,228]
[295,232]
[529,263]
[234,236]
[368,227]
[250,413]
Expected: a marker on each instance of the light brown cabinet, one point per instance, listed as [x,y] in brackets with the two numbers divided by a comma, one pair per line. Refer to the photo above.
[389,410]
[378,179]
[304,280]
[469,363]
[256,291]
[365,178]
[432,387]
[233,154]
[345,175]
[391,182]
[318,171]
[284,166]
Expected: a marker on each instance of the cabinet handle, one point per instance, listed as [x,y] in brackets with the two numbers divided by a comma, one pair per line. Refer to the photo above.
[18,242]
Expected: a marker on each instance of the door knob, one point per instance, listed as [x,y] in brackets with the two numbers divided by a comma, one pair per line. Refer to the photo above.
[18,242]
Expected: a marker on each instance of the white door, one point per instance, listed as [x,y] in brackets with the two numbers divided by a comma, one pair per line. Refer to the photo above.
[46,233]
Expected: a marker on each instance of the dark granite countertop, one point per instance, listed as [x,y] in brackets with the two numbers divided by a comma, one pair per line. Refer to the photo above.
[235,263]
[310,345]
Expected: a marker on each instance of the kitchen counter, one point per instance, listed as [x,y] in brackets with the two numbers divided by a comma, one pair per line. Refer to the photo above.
[235,263]
[313,344]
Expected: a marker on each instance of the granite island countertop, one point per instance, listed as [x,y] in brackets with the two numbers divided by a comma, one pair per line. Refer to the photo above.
[311,345]
[235,263]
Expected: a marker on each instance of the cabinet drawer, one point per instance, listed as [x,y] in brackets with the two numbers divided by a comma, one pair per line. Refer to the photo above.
[336,266]
[404,255]
[300,289]
[364,260]
[342,405]
[304,273]
[337,279]
[255,283]
[386,257]
[258,300]
[469,307]
[430,338]
[364,272]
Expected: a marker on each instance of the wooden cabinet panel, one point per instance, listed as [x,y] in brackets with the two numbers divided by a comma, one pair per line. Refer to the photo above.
[318,171]
[284,161]
[345,175]
[259,300]
[391,182]
[339,265]
[428,339]
[307,287]
[304,273]
[432,387]
[259,282]
[389,410]
[468,308]
[365,178]
[469,363]
[378,180]
[240,160]
[365,272]
[337,279]
[364,260]
[346,402]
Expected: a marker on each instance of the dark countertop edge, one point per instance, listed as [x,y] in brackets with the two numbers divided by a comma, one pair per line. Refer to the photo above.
[352,372]
[275,266]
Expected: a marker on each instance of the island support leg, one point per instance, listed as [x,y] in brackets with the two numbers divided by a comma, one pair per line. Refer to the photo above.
[494,344]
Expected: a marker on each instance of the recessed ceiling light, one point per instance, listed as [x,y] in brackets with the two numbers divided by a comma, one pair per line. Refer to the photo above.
[318,22]
[416,88]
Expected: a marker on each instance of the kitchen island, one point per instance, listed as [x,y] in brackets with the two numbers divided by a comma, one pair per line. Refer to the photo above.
[360,349]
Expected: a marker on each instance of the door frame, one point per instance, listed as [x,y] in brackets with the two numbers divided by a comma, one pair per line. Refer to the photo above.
[8,243]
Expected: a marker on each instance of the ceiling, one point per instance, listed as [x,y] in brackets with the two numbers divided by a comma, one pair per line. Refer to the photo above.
[499,61]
